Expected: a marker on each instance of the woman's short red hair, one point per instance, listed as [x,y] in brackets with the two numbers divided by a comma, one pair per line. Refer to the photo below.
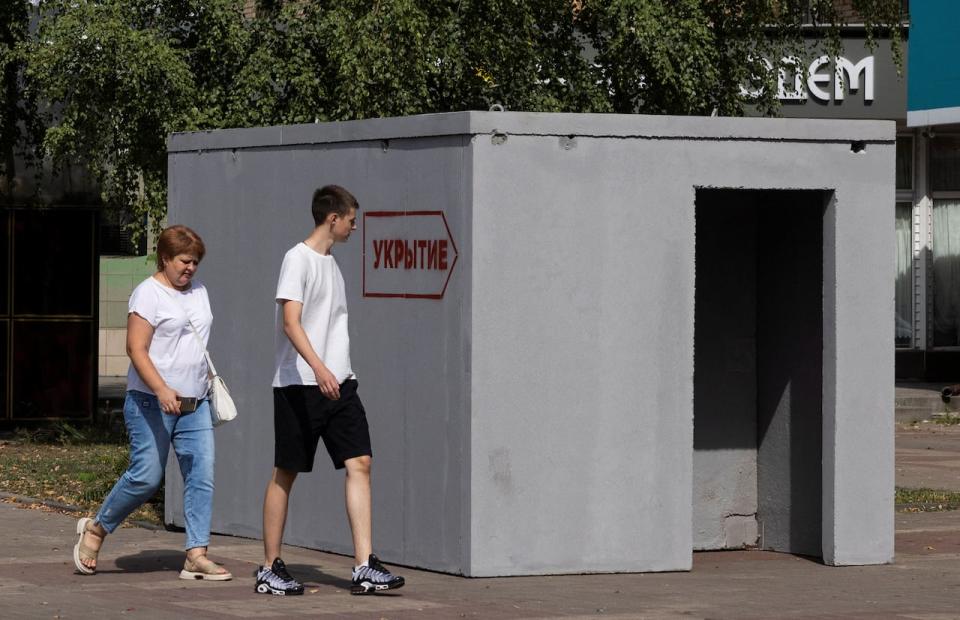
[176,240]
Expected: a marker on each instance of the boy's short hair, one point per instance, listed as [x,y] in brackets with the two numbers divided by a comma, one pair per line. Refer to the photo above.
[331,199]
[176,240]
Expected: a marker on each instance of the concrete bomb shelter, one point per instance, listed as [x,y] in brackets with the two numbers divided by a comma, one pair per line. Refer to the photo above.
[585,343]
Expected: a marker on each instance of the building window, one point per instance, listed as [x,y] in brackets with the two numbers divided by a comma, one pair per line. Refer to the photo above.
[945,247]
[904,162]
[946,272]
[904,284]
[945,163]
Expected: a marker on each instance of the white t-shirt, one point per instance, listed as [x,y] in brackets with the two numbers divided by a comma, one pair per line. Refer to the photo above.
[174,350]
[314,280]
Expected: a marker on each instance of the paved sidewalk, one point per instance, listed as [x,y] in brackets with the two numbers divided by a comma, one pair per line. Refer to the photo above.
[138,579]
[138,575]
[928,455]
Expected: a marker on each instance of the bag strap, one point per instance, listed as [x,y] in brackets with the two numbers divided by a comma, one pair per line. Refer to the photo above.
[206,354]
[211,370]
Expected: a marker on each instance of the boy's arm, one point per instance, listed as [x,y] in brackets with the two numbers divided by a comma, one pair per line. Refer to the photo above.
[326,381]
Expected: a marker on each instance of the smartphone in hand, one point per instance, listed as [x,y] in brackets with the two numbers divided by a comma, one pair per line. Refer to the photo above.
[188,404]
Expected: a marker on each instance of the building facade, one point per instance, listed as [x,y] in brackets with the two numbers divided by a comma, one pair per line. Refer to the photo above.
[867,83]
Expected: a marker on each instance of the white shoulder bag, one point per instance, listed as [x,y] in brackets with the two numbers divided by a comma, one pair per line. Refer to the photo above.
[222,409]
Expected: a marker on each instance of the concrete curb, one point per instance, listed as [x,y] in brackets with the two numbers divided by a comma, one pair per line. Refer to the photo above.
[926,507]
[25,499]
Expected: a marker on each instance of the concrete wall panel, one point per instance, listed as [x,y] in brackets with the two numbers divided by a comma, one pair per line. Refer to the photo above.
[861,386]
[251,205]
[579,424]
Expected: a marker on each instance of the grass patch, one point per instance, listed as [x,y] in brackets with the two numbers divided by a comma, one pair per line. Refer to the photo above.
[947,419]
[926,500]
[70,465]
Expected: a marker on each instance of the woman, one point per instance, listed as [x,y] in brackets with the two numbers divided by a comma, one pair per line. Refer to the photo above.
[166,403]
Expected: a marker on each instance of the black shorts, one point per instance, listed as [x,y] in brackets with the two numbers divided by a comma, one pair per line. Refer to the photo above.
[302,415]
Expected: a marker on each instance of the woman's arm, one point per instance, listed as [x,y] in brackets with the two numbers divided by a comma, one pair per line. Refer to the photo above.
[139,335]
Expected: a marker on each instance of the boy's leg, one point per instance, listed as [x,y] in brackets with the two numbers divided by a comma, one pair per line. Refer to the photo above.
[347,438]
[359,506]
[275,502]
[272,577]
[295,435]
[369,574]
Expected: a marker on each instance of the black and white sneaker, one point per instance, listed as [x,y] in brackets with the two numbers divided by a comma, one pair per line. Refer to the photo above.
[276,580]
[374,577]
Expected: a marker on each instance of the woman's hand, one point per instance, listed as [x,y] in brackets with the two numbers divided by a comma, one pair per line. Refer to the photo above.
[168,401]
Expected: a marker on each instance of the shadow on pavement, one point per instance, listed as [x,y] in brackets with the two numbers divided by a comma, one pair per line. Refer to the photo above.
[311,576]
[150,561]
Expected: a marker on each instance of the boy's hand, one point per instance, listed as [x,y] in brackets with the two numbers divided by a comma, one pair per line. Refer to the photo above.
[327,383]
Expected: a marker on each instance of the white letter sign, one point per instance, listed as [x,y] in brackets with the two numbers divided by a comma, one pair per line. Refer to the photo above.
[865,66]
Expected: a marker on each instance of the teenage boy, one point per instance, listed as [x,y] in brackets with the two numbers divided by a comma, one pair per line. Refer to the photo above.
[315,396]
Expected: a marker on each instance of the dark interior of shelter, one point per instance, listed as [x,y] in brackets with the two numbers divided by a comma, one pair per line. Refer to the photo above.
[758,342]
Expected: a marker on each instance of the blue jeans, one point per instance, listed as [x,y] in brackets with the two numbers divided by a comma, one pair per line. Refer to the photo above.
[151,432]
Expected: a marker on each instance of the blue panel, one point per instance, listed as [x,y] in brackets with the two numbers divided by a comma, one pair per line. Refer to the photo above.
[933,71]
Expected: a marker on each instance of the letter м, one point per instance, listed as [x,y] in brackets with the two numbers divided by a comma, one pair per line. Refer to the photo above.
[853,72]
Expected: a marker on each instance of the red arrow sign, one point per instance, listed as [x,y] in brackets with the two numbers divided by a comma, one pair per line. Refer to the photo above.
[407,254]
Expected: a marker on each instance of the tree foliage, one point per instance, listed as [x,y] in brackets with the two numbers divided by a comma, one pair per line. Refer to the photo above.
[346,60]
[693,56]
[117,76]
[20,129]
